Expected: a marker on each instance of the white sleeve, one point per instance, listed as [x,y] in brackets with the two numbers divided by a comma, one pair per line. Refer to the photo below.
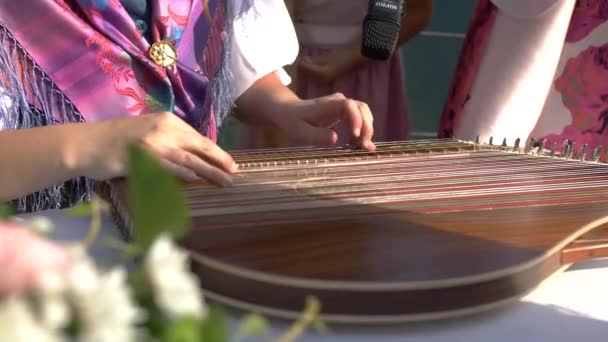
[525,9]
[264,41]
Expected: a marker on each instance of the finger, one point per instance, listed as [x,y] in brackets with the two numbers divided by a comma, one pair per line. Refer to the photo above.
[210,152]
[191,140]
[179,171]
[198,166]
[367,126]
[352,113]
[318,136]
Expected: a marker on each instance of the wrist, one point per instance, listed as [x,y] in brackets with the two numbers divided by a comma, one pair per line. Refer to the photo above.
[85,146]
[75,152]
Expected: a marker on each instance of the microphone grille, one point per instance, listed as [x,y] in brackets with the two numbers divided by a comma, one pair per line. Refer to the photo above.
[379,38]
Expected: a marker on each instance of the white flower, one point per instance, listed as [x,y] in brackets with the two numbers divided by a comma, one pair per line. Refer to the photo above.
[18,323]
[54,309]
[104,307]
[176,289]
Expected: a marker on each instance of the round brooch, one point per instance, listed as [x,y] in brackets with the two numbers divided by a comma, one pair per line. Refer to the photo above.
[163,54]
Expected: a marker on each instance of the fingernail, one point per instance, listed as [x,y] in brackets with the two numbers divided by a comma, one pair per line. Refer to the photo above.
[357,132]
[235,167]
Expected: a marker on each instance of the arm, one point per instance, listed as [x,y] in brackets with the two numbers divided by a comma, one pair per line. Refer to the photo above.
[269,102]
[264,102]
[262,99]
[34,159]
[417,16]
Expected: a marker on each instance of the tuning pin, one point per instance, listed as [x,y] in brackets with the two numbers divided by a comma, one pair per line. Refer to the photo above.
[516,145]
[553,148]
[530,145]
[582,152]
[565,151]
[597,152]
[491,142]
[565,145]
[504,143]
[571,149]
[477,140]
[541,146]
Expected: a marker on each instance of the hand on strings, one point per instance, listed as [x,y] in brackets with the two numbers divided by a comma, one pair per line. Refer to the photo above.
[179,148]
[315,119]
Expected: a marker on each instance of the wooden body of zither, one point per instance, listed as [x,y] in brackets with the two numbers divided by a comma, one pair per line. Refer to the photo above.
[418,230]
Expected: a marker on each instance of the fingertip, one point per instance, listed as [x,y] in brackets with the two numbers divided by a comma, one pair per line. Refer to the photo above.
[225,181]
[334,137]
[368,145]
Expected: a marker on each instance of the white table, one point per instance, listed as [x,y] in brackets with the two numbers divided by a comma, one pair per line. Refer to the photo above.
[570,306]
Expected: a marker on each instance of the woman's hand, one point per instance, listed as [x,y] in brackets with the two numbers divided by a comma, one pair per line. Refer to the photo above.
[330,66]
[312,121]
[180,149]
[271,103]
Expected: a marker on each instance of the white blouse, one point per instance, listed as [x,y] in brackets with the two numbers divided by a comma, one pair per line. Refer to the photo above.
[525,8]
[264,41]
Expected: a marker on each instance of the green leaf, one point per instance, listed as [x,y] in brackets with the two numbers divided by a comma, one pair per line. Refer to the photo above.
[215,327]
[254,325]
[6,211]
[320,326]
[84,209]
[155,199]
[156,322]
[183,330]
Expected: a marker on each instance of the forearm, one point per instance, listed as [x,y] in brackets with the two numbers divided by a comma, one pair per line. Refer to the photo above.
[34,159]
[417,16]
[263,104]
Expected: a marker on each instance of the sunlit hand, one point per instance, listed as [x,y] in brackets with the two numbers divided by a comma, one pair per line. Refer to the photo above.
[314,121]
[179,148]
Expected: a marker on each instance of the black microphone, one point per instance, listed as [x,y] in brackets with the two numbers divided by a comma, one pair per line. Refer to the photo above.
[381,28]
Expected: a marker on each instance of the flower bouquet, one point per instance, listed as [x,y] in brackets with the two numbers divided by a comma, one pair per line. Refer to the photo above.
[57,292]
